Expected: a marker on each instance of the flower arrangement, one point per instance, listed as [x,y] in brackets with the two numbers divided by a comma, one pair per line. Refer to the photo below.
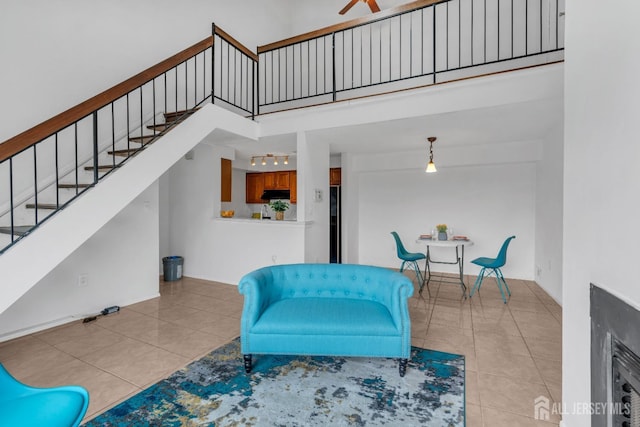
[442,228]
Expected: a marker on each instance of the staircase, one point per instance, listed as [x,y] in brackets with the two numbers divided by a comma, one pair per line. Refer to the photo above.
[56,197]
[70,227]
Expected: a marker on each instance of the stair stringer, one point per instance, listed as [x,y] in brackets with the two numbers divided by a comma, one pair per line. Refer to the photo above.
[31,259]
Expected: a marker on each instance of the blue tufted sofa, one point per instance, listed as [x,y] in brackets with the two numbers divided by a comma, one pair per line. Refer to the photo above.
[326,310]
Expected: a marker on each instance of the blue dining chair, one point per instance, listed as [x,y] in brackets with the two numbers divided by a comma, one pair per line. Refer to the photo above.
[411,259]
[492,266]
[26,406]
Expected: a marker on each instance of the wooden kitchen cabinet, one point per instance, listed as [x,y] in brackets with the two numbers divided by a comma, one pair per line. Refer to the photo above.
[225,180]
[276,180]
[293,187]
[335,176]
[255,187]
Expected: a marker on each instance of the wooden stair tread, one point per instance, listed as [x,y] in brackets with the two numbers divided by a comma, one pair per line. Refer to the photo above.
[100,167]
[161,127]
[18,230]
[143,139]
[182,114]
[74,185]
[124,152]
[42,206]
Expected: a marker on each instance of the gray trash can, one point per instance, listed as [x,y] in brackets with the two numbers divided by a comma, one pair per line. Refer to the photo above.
[172,268]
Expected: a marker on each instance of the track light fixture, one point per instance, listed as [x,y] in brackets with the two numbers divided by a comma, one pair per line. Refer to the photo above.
[276,159]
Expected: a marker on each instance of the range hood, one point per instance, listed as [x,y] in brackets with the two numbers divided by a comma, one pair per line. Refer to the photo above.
[275,194]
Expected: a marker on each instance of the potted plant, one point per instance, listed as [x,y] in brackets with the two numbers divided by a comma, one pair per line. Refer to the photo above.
[442,231]
[279,206]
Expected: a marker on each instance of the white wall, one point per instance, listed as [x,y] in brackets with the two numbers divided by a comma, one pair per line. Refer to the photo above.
[217,248]
[58,54]
[601,207]
[548,214]
[487,202]
[119,261]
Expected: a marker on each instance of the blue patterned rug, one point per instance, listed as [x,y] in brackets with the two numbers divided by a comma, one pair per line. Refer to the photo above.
[300,391]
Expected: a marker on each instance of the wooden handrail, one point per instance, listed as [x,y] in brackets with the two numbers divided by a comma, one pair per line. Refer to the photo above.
[47,128]
[384,14]
[235,43]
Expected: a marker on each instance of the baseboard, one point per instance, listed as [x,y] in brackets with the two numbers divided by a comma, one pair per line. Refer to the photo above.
[62,321]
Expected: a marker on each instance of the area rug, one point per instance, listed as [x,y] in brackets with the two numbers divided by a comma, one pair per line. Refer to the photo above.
[300,391]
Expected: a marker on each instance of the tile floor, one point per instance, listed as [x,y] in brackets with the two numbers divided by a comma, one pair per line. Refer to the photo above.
[513,351]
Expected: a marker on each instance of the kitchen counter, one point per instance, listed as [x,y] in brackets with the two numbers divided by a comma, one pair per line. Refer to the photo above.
[263,221]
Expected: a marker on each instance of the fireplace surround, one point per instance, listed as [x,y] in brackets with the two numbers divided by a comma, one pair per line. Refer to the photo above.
[615,361]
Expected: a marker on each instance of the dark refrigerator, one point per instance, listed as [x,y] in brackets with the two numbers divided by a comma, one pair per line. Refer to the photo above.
[335,234]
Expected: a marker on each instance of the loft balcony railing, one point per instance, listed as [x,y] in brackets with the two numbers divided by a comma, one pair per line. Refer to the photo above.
[44,169]
[418,44]
[422,43]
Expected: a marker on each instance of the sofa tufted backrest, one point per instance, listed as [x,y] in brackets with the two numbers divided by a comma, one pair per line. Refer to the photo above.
[279,282]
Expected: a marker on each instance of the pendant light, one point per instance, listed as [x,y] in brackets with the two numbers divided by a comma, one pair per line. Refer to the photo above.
[431,167]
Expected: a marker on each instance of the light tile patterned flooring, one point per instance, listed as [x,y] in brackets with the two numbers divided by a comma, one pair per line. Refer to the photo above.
[513,351]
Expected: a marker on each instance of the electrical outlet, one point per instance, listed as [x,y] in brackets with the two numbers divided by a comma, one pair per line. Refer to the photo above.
[274,258]
[83,280]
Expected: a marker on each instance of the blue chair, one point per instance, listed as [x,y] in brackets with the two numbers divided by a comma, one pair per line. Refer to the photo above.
[492,266]
[410,258]
[26,406]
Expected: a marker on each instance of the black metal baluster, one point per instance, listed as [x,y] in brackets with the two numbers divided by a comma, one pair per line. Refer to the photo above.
[526,28]
[95,150]
[128,127]
[541,26]
[213,63]
[471,33]
[512,21]
[557,19]
[142,141]
[95,163]
[390,46]
[485,31]
[498,41]
[308,67]
[195,80]
[153,103]
[186,85]
[400,47]
[370,54]
[411,45]
[380,49]
[235,74]
[333,59]
[272,78]
[175,100]
[57,173]
[352,59]
[113,133]
[35,181]
[447,34]
[434,44]
[11,207]
[459,33]
[343,34]
[256,92]
[361,60]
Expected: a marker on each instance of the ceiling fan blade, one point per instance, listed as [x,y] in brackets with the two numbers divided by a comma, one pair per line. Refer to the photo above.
[373,6]
[348,6]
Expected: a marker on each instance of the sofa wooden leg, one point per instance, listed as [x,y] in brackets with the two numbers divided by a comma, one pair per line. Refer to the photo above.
[403,366]
[247,363]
